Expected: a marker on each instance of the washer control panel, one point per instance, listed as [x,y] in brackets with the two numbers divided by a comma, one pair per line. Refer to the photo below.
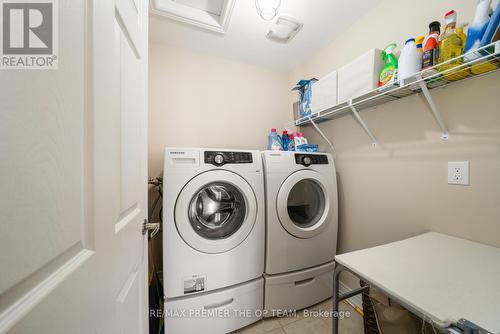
[311,159]
[221,158]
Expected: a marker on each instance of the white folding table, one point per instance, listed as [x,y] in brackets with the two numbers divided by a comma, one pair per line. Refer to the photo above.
[452,283]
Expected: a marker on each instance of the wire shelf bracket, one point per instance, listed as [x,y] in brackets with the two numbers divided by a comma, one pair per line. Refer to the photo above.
[432,106]
[322,134]
[362,123]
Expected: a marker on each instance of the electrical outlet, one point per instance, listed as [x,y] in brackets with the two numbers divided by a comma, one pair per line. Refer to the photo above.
[458,172]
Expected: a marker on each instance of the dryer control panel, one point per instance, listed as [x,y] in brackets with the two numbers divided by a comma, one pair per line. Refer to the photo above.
[311,159]
[221,158]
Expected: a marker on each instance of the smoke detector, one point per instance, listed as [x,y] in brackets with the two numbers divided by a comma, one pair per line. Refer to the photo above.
[283,29]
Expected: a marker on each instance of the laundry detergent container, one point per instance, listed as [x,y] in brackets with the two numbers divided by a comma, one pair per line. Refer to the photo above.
[360,76]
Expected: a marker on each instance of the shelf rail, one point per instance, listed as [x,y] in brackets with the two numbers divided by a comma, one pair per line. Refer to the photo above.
[476,63]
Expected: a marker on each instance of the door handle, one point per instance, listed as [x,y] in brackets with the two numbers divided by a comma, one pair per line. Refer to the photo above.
[305,281]
[217,305]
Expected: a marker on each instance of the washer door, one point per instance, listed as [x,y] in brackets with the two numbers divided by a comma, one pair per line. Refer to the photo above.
[303,204]
[215,211]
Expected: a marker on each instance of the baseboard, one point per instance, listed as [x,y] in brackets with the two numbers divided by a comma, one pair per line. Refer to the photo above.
[356,301]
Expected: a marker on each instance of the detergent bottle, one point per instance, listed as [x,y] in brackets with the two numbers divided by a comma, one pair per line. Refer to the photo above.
[285,140]
[409,61]
[303,139]
[478,26]
[297,139]
[291,145]
[389,71]
[431,45]
[274,141]
[492,33]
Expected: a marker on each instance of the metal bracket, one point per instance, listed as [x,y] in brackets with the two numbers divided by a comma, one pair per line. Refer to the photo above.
[432,106]
[362,123]
[322,134]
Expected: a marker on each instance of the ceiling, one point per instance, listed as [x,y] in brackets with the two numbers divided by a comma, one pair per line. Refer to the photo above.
[245,38]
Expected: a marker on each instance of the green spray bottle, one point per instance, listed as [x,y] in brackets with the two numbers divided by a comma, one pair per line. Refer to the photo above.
[388,74]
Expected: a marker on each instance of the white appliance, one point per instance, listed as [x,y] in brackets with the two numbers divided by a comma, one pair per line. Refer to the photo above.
[213,239]
[301,239]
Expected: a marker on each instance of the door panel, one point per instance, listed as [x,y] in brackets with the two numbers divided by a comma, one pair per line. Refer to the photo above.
[128,72]
[73,143]
[42,149]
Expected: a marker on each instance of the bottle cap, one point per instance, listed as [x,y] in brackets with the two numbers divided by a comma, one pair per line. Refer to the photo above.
[273,130]
[410,40]
[435,26]
[451,12]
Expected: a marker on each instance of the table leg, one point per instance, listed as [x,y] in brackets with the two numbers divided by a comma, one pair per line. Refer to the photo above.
[336,298]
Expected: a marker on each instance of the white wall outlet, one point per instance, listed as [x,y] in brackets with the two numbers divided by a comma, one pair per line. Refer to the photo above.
[458,172]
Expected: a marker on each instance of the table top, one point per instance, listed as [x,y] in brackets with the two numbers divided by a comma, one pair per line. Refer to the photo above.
[441,277]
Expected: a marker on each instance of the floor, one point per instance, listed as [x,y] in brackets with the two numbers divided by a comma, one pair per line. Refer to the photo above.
[309,321]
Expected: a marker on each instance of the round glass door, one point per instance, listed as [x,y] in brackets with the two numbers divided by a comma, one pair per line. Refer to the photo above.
[303,204]
[215,211]
[306,203]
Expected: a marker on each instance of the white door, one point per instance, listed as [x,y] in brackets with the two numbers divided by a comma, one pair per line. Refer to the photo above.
[73,164]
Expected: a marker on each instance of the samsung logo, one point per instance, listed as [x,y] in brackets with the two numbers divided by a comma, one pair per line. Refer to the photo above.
[177,152]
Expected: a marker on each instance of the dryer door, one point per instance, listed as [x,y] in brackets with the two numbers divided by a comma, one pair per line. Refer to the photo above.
[303,204]
[215,211]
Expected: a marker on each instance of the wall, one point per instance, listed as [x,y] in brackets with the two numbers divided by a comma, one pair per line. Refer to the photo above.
[198,100]
[399,189]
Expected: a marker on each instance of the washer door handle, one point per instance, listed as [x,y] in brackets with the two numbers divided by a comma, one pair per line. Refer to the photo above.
[217,305]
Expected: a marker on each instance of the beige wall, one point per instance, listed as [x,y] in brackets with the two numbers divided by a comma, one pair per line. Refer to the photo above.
[198,100]
[400,189]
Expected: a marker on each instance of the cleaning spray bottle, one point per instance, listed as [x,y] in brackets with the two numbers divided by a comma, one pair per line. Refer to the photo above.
[388,74]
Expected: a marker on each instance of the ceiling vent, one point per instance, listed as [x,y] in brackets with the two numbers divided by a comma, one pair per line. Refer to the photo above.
[283,29]
[206,14]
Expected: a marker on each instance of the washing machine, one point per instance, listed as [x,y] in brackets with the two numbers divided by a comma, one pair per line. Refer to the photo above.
[213,239]
[301,221]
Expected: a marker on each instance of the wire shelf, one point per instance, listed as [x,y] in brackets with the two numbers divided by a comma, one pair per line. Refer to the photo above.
[472,64]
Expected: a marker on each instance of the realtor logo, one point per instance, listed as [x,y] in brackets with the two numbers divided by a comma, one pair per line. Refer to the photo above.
[29,34]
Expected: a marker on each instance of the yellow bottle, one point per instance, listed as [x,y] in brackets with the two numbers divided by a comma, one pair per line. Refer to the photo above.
[451,46]
[462,35]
